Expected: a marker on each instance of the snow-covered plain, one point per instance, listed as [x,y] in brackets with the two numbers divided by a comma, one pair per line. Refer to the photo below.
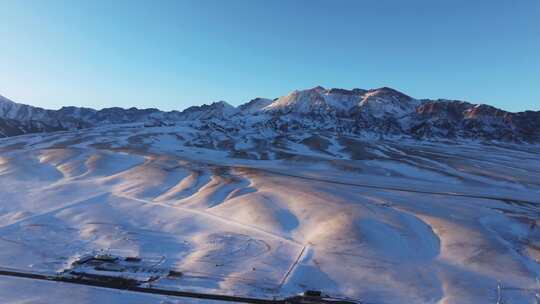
[376,221]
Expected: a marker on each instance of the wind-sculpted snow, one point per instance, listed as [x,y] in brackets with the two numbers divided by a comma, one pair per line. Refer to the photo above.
[378,221]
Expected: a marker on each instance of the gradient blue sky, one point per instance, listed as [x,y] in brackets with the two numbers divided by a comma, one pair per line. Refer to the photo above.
[173,54]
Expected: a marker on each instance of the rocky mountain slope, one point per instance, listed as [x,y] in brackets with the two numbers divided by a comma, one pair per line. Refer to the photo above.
[375,113]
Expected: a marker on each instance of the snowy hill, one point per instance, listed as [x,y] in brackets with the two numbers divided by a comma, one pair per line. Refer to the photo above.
[268,213]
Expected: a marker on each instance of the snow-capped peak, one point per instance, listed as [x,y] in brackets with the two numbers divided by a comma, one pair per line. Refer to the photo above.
[308,101]
[12,110]
[225,107]
[219,110]
[387,101]
[255,105]
[318,100]
[5,100]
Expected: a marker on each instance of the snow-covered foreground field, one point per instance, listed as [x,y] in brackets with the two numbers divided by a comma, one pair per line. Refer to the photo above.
[375,221]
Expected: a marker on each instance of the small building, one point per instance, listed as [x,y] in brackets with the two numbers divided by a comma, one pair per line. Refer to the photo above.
[312,293]
[175,273]
[132,259]
[105,257]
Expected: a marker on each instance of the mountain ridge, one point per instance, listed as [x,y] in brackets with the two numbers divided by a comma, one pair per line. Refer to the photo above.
[382,111]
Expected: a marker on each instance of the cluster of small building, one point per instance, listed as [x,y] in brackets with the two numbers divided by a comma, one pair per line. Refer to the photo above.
[105,267]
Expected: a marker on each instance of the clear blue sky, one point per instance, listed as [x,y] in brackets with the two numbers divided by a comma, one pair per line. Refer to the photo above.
[173,54]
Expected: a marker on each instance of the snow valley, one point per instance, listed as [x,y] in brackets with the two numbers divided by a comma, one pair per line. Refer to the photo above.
[366,195]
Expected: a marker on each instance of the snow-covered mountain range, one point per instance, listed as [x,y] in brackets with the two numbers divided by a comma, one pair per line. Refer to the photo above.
[375,113]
